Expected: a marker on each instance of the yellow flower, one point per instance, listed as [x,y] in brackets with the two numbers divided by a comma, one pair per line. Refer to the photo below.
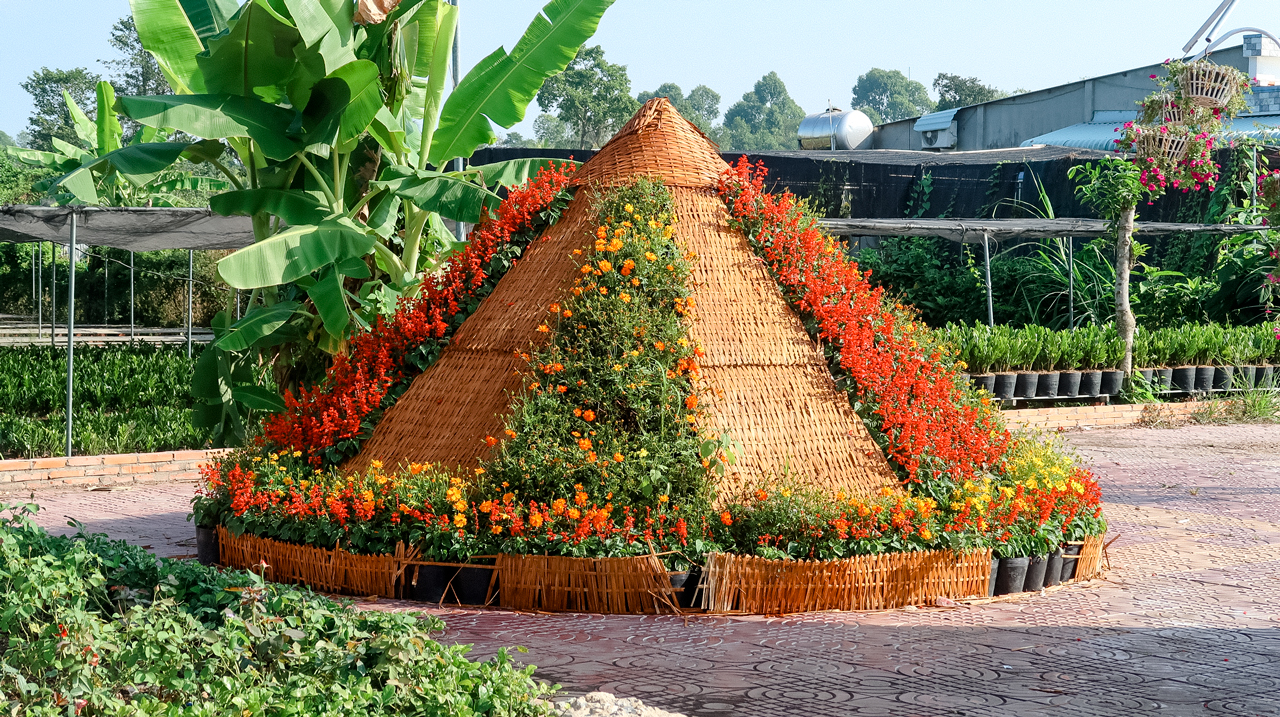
[629,209]
[377,465]
[650,256]
[663,499]
[460,505]
[460,520]
[626,298]
[786,492]
[642,453]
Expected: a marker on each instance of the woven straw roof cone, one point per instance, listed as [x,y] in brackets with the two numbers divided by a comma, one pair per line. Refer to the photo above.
[779,402]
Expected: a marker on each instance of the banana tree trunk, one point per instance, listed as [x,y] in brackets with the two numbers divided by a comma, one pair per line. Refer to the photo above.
[1124,259]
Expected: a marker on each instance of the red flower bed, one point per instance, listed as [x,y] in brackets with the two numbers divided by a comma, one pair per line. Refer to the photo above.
[336,410]
[895,365]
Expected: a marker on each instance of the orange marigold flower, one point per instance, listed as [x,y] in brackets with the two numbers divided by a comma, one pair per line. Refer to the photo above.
[557,506]
[605,266]
[591,456]
[650,256]
[555,308]
[543,328]
[691,402]
[602,232]
[588,415]
[762,496]
[567,313]
[510,433]
[660,346]
[585,444]
[580,498]
[486,506]
[490,441]
[535,520]
[562,389]
[617,458]
[726,518]
[574,513]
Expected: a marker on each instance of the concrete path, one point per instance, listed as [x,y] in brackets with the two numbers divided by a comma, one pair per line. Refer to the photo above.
[1186,622]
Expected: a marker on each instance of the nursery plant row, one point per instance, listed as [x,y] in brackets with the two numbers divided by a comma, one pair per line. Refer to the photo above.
[1037,362]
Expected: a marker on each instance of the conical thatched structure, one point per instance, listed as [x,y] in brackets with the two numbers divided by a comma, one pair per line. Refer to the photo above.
[779,401]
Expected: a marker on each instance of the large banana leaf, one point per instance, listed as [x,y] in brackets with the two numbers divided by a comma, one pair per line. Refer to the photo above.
[293,207]
[49,160]
[218,117]
[209,17]
[437,23]
[342,105]
[256,58]
[293,254]
[167,33]
[514,171]
[501,86]
[330,301]
[447,194]
[259,323]
[85,129]
[108,125]
[191,184]
[326,29]
[70,150]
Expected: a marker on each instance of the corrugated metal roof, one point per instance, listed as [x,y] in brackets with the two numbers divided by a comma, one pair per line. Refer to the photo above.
[936,120]
[1103,135]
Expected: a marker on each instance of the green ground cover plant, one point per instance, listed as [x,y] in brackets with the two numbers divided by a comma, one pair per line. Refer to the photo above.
[127,399]
[92,626]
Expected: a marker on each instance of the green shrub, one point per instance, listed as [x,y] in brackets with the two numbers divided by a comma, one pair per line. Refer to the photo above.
[97,627]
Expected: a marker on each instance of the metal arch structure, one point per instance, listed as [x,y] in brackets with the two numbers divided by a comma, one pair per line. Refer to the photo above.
[1210,27]
[1214,45]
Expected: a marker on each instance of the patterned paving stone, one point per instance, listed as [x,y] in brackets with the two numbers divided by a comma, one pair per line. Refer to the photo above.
[1186,621]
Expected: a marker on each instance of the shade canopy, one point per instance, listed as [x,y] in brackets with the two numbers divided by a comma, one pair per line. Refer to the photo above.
[132,228]
[972,231]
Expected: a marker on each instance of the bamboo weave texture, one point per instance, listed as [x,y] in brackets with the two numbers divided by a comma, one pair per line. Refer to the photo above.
[333,571]
[611,586]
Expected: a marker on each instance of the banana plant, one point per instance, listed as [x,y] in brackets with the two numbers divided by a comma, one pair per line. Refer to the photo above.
[346,139]
[102,170]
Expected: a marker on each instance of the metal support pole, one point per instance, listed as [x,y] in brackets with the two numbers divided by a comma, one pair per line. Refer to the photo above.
[986,263]
[71,328]
[237,304]
[130,296]
[53,298]
[106,279]
[191,265]
[457,163]
[40,289]
[1070,282]
[33,282]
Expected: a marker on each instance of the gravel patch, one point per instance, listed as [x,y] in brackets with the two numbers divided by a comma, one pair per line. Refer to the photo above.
[603,704]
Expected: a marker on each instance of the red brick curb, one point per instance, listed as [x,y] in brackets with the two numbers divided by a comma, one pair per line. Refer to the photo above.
[1095,416]
[118,469]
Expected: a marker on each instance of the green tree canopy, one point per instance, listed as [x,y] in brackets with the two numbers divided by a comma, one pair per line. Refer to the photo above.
[592,97]
[765,118]
[135,71]
[888,96]
[956,91]
[6,140]
[49,116]
[701,106]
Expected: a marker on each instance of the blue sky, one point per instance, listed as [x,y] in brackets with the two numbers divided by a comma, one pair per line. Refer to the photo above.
[818,47]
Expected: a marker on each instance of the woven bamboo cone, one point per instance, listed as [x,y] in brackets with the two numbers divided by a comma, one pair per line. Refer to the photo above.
[779,401]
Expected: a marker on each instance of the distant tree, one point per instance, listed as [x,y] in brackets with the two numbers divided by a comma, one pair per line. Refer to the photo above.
[592,97]
[956,91]
[17,181]
[6,140]
[515,139]
[135,71]
[551,133]
[891,96]
[49,117]
[701,106]
[765,118]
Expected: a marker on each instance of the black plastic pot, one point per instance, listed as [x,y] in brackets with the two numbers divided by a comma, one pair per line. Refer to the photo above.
[1148,375]
[1112,382]
[207,546]
[1047,384]
[1204,379]
[1035,573]
[1026,384]
[1222,377]
[1264,377]
[984,381]
[1053,569]
[1004,385]
[1244,377]
[1069,564]
[471,586]
[1163,379]
[1011,576]
[1090,382]
[1068,384]
[686,584]
[430,583]
[1184,378]
[991,581]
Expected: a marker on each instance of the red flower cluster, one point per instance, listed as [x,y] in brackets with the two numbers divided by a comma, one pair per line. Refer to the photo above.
[895,365]
[336,409]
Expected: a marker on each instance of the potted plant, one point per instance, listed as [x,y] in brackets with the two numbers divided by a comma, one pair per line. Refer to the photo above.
[1209,85]
[1142,356]
[1113,355]
[1070,361]
[1093,352]
[1027,350]
[1047,361]
[1160,347]
[1208,353]
[1262,340]
[1002,362]
[1183,347]
[208,512]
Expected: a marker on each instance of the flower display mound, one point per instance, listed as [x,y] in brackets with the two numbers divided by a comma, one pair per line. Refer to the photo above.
[680,363]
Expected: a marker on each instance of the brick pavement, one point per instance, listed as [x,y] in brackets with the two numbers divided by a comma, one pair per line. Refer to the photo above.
[1187,621]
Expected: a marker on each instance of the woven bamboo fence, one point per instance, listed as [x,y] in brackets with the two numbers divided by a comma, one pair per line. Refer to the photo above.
[612,586]
[333,571]
[1089,564]
[749,584]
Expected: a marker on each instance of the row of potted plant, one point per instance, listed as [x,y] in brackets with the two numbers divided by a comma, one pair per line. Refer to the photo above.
[1035,361]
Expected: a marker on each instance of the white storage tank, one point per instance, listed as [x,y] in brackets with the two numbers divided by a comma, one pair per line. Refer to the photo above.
[835,129]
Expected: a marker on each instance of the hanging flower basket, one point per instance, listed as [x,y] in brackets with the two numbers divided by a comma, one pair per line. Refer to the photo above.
[1164,109]
[1162,145]
[1208,84]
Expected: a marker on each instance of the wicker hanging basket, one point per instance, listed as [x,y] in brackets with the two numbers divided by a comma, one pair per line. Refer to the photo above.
[1163,145]
[1207,84]
[1168,111]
